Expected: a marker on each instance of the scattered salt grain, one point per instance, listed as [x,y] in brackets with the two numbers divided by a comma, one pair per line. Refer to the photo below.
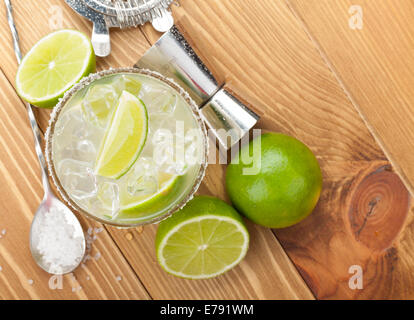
[73,289]
[90,238]
[98,230]
[118,278]
[30,281]
[88,278]
[1,268]
[3,232]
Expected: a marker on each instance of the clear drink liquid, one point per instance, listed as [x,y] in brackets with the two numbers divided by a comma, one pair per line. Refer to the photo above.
[166,169]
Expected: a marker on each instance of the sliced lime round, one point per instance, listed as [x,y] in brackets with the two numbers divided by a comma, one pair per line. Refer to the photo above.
[54,65]
[205,239]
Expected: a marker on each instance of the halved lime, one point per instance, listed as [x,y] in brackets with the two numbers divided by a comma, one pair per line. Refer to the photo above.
[124,138]
[54,65]
[204,239]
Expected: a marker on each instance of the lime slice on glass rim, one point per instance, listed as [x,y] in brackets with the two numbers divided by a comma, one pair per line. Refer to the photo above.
[53,65]
[203,240]
[124,138]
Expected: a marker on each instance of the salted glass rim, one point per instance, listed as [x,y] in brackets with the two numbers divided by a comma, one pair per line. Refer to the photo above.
[86,82]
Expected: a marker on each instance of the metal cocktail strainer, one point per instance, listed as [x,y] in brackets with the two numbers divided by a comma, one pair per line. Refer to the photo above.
[107,14]
[172,56]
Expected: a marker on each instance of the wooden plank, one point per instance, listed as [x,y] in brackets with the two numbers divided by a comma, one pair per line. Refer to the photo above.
[20,193]
[375,66]
[362,217]
[35,19]
[252,279]
[265,273]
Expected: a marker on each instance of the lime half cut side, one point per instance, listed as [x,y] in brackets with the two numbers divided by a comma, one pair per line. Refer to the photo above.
[203,240]
[124,138]
[53,65]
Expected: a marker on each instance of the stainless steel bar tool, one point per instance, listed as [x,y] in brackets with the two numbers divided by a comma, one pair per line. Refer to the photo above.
[227,117]
[106,14]
[50,205]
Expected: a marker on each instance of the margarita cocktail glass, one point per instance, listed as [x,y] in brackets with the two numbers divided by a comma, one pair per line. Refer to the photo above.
[168,170]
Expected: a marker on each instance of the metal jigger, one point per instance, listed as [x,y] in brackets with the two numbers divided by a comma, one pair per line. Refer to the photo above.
[173,57]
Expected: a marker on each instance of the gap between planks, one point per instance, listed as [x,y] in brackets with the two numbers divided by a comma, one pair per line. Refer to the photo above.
[350,97]
[106,227]
[147,38]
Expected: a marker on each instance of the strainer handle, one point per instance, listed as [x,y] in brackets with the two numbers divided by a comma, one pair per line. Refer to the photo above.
[100,38]
[164,22]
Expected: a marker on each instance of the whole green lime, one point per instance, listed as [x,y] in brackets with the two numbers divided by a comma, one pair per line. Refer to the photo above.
[276,183]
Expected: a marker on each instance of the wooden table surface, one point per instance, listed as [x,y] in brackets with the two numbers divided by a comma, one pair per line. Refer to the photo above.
[308,72]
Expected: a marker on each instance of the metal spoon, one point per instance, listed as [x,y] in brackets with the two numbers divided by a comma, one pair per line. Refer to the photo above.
[50,204]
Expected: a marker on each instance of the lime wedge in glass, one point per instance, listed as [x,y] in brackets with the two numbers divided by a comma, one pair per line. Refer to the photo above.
[205,239]
[132,207]
[54,65]
[124,138]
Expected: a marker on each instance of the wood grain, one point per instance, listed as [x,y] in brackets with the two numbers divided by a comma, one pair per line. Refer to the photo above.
[268,55]
[266,273]
[364,215]
[34,23]
[20,194]
[375,66]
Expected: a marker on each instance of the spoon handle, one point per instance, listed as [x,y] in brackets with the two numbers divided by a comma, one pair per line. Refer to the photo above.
[32,119]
